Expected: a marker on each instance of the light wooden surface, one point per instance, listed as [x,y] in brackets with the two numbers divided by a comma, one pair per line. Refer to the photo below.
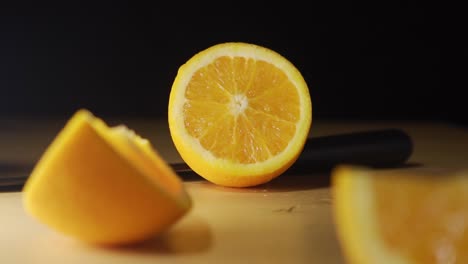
[288,220]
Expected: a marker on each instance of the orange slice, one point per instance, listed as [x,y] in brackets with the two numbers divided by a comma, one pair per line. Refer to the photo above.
[239,114]
[409,216]
[104,185]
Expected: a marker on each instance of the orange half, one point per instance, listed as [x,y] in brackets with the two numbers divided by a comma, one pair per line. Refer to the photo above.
[239,114]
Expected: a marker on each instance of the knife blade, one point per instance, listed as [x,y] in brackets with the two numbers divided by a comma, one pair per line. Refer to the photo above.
[387,147]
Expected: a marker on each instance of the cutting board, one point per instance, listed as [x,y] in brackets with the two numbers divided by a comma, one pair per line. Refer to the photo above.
[288,220]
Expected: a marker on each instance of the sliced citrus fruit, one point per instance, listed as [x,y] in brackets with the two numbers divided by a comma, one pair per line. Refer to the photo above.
[239,114]
[104,185]
[401,216]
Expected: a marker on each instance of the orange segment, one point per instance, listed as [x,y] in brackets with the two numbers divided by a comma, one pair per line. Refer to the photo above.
[433,227]
[239,114]
[412,216]
[104,185]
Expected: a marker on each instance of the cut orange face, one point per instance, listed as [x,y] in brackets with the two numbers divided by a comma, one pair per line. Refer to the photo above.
[104,185]
[409,216]
[239,114]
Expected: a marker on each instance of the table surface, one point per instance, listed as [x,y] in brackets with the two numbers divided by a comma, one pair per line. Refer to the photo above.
[288,220]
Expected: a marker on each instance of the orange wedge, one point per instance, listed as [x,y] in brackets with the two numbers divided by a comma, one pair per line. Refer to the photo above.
[401,216]
[104,185]
[239,114]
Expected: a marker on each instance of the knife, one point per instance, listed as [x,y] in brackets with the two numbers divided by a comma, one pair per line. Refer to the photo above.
[389,147]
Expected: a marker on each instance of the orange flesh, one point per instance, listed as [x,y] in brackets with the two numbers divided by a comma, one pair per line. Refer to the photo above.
[249,109]
[427,222]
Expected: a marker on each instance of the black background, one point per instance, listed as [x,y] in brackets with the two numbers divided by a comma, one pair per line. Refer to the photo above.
[398,60]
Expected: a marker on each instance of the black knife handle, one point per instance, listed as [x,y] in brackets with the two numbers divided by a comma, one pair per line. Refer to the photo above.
[375,148]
